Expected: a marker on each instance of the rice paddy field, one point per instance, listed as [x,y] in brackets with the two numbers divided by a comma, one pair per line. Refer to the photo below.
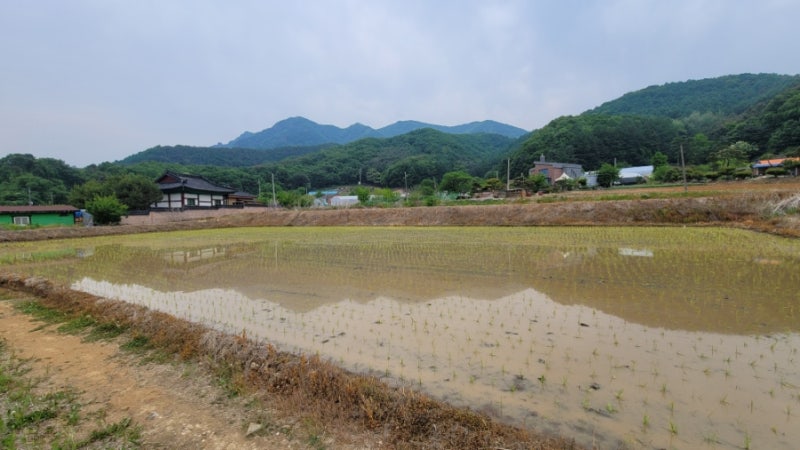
[668,337]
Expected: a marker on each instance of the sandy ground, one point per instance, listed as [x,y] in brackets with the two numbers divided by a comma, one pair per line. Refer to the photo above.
[176,405]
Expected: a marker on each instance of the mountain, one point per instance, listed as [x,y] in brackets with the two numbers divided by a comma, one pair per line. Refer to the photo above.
[216,156]
[727,95]
[412,157]
[773,125]
[301,132]
[698,116]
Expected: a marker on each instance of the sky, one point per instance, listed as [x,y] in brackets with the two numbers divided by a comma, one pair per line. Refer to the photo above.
[92,81]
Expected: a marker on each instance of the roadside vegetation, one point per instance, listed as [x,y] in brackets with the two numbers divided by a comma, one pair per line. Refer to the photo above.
[34,414]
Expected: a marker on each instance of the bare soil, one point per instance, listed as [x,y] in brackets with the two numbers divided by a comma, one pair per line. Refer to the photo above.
[176,405]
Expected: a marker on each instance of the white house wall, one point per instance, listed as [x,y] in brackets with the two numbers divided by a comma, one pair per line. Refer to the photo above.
[178,200]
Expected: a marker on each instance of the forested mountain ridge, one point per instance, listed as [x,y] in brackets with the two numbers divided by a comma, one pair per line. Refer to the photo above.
[301,132]
[702,117]
[421,154]
[217,156]
[727,96]
[772,125]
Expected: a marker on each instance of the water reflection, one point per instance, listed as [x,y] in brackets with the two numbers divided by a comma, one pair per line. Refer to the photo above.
[565,368]
[655,337]
[723,287]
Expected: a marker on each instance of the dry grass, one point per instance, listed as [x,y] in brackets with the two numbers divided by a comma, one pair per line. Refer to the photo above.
[740,204]
[303,387]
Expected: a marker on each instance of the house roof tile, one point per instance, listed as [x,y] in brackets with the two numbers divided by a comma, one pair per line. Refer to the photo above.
[38,209]
[172,180]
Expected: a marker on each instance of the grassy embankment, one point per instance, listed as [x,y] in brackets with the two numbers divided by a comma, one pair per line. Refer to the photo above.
[34,414]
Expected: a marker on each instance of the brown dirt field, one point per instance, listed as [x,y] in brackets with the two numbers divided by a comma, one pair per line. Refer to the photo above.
[175,410]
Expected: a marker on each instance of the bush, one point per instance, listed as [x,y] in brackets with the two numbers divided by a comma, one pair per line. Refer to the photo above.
[667,174]
[776,171]
[106,210]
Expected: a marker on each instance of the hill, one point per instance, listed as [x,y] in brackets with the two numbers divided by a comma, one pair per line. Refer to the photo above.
[301,132]
[703,116]
[727,96]
[408,158]
[216,156]
[772,125]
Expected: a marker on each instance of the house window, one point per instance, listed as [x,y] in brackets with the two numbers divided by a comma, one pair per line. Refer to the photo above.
[191,202]
[22,220]
[217,202]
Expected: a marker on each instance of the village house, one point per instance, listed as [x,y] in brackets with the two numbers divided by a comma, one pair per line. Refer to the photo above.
[761,166]
[193,191]
[42,215]
[555,171]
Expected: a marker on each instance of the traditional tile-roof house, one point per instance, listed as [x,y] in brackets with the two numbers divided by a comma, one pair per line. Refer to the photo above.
[242,198]
[761,166]
[39,215]
[181,191]
[555,170]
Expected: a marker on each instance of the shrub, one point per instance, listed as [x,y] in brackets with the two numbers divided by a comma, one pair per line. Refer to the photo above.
[776,171]
[106,210]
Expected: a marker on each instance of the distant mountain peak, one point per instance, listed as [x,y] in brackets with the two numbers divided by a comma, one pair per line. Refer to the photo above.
[299,131]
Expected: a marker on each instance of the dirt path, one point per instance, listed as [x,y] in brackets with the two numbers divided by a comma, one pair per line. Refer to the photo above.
[175,406]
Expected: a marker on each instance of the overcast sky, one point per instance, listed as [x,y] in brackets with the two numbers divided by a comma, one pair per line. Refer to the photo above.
[92,81]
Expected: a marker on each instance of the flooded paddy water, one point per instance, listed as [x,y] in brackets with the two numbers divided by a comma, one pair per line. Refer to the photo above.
[651,337]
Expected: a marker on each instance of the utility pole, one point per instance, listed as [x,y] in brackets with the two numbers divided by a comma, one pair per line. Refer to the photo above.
[683,168]
[405,176]
[508,175]
[274,202]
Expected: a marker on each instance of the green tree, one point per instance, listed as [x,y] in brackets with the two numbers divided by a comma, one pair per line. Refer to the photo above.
[458,182]
[389,196]
[791,166]
[135,191]
[81,194]
[659,159]
[537,182]
[607,175]
[373,176]
[363,194]
[295,199]
[734,154]
[494,184]
[106,210]
[666,174]
[427,187]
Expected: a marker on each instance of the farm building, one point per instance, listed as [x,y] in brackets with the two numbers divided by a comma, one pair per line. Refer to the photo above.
[761,166]
[633,175]
[555,170]
[42,215]
[181,191]
[344,200]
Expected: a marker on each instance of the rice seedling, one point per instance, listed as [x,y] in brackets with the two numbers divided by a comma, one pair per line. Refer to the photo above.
[358,263]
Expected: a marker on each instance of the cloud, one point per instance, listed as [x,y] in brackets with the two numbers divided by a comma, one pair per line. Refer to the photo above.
[91,81]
